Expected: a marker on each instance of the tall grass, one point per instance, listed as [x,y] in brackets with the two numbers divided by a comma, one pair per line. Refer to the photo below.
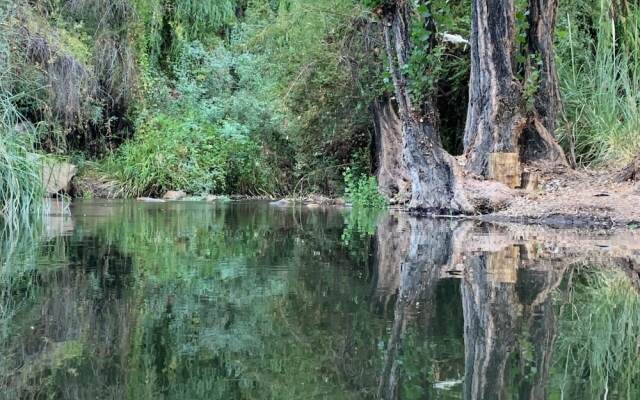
[20,183]
[600,80]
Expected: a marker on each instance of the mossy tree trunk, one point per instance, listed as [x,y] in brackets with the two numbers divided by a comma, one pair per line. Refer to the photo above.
[436,182]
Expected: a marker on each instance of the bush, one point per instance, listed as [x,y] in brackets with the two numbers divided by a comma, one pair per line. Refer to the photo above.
[362,190]
[184,153]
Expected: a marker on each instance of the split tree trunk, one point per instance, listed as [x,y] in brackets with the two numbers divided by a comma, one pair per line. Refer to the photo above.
[496,117]
[436,181]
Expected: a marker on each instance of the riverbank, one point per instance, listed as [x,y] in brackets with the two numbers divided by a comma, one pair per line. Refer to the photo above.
[562,198]
[586,198]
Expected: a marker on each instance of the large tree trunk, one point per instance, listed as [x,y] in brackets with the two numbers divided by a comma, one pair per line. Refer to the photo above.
[494,122]
[436,181]
[496,117]
[538,141]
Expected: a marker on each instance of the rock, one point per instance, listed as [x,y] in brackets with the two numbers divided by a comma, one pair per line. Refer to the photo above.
[280,203]
[210,198]
[317,199]
[313,205]
[150,200]
[339,201]
[57,176]
[488,196]
[173,195]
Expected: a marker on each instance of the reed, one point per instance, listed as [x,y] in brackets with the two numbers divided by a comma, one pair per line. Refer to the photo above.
[600,82]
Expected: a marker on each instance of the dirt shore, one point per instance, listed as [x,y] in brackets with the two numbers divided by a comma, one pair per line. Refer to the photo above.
[575,198]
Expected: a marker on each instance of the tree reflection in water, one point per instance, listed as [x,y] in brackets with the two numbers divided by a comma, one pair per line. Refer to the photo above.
[245,301]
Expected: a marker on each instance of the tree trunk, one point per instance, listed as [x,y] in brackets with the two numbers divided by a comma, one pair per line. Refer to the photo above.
[494,121]
[538,141]
[496,116]
[390,168]
[436,182]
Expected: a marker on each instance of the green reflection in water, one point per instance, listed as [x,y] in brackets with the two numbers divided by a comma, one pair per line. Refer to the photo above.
[248,301]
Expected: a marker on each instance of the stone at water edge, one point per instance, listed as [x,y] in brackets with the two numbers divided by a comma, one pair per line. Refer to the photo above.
[174,195]
[150,200]
[339,201]
[210,198]
[280,203]
[57,176]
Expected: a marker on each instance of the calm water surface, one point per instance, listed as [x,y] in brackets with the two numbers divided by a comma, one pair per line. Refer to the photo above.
[124,300]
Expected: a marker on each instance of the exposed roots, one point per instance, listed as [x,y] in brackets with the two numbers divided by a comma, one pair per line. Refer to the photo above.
[631,172]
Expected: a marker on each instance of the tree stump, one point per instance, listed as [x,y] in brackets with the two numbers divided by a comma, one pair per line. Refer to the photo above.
[505,168]
[530,181]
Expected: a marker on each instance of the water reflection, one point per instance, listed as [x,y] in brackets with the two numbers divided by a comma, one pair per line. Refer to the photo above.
[247,301]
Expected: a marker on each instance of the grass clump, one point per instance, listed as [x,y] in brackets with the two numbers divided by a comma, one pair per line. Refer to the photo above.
[599,69]
[20,183]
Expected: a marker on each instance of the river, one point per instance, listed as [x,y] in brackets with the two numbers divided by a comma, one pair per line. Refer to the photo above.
[243,300]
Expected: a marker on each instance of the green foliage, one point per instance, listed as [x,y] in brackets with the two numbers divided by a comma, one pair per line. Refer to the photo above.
[20,182]
[425,67]
[362,190]
[189,154]
[599,69]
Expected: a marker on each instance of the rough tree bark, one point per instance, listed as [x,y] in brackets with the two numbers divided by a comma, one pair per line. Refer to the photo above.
[494,122]
[538,140]
[496,117]
[391,170]
[436,179]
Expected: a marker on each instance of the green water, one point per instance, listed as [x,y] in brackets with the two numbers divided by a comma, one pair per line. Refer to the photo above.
[124,300]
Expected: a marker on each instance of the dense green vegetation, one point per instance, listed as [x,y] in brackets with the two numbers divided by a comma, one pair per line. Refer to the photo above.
[271,97]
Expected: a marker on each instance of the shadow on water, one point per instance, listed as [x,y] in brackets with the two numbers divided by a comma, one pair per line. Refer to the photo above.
[246,301]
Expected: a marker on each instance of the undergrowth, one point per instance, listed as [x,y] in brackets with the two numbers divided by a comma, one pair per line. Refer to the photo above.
[362,190]
[20,183]
[171,153]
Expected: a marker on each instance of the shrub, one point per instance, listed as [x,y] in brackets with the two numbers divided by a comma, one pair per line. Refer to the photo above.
[184,153]
[362,190]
